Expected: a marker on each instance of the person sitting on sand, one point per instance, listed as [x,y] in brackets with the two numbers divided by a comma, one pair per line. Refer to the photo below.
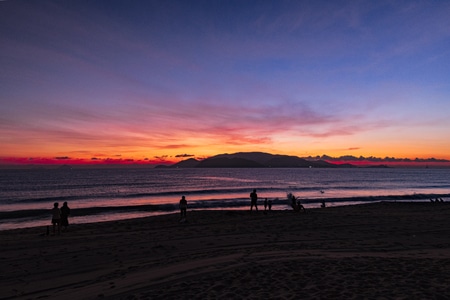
[56,218]
[183,207]
[253,200]
[300,207]
[296,204]
[65,212]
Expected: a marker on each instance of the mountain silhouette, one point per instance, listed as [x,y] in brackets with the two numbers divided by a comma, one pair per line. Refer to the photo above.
[255,160]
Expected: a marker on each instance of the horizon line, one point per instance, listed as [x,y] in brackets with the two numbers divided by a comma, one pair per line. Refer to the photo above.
[167,160]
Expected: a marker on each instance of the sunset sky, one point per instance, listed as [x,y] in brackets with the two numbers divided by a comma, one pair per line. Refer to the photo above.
[154,81]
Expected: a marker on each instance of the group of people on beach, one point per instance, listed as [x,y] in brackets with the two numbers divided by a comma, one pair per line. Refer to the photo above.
[296,204]
[60,217]
[254,202]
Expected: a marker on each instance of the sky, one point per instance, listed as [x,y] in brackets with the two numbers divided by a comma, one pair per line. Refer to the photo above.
[98,81]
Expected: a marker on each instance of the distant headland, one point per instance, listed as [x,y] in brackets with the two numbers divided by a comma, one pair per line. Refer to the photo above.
[254,160]
[226,160]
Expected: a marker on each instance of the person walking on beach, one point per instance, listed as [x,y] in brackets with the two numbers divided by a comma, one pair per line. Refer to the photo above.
[56,217]
[65,212]
[183,207]
[253,200]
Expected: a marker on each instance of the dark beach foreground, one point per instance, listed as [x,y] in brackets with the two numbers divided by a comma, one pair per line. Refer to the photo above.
[373,251]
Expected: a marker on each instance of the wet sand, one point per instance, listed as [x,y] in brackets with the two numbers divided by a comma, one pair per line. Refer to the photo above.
[372,251]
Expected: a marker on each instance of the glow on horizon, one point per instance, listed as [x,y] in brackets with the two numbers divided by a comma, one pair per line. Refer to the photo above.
[155,82]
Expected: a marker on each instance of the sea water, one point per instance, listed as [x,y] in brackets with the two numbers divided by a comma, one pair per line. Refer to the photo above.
[26,196]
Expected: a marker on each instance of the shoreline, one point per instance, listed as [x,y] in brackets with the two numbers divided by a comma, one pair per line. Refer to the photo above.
[41,217]
[385,249]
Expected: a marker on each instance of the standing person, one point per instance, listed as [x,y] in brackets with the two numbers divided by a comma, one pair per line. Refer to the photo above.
[65,212]
[56,217]
[183,207]
[294,203]
[253,200]
[265,204]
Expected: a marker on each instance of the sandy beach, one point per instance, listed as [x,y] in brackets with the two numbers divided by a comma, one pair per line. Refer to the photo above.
[372,251]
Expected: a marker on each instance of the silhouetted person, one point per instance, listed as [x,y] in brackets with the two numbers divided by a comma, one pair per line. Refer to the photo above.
[323,204]
[296,204]
[269,203]
[253,200]
[183,207]
[265,204]
[300,207]
[65,212]
[293,203]
[56,218]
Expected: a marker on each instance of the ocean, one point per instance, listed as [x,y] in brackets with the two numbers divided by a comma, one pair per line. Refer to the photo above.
[26,196]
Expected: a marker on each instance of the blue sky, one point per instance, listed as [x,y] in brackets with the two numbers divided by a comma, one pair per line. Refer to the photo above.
[152,79]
